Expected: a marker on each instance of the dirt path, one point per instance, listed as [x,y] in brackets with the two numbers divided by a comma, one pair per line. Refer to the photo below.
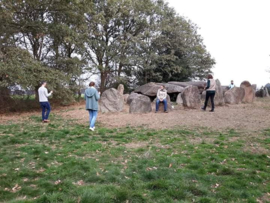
[249,117]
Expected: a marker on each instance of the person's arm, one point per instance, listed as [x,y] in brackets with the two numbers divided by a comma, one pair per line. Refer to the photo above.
[47,94]
[208,85]
[158,95]
[97,95]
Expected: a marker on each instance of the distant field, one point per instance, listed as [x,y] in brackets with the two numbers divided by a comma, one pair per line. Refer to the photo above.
[65,162]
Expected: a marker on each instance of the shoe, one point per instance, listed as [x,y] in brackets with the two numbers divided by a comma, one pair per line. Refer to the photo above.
[166,112]
[203,109]
[46,121]
[155,111]
[92,129]
[211,110]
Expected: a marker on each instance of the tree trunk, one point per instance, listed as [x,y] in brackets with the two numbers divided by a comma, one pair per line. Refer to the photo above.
[36,93]
[103,77]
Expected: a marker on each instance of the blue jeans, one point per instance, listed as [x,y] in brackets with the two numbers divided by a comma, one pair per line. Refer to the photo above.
[92,117]
[46,109]
[164,102]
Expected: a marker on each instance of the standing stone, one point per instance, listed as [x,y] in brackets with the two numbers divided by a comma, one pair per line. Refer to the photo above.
[121,89]
[126,97]
[179,99]
[249,92]
[191,97]
[132,96]
[254,86]
[111,101]
[161,105]
[219,97]
[140,104]
[234,95]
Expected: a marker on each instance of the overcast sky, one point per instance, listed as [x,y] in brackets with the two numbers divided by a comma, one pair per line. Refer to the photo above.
[237,35]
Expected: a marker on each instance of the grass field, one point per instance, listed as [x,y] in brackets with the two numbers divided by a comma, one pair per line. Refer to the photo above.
[65,162]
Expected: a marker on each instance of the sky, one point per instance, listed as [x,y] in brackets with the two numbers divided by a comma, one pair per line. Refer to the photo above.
[237,35]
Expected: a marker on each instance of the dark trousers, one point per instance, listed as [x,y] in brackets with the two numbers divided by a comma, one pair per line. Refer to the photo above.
[210,95]
[46,109]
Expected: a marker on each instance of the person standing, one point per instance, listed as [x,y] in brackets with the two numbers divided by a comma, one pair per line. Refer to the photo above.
[231,85]
[44,103]
[210,92]
[92,96]
[161,97]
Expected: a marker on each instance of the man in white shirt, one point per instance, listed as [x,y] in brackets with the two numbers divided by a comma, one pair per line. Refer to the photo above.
[44,103]
[161,97]
[231,85]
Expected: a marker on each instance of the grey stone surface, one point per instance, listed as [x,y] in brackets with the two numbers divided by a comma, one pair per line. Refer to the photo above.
[111,101]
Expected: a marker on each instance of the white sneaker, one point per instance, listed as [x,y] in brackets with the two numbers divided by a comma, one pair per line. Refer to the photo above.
[92,129]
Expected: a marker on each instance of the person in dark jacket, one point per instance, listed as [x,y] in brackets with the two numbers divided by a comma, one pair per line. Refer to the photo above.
[210,92]
[92,96]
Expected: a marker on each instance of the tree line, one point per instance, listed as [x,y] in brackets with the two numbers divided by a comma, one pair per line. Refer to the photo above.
[122,41]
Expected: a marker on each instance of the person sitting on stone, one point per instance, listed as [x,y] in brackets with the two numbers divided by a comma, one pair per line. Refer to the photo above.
[161,97]
[231,85]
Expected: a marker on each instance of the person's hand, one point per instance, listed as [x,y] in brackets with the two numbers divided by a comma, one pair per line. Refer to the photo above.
[99,92]
[51,92]
[161,100]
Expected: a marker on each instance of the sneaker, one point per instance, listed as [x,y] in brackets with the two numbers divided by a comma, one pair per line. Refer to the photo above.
[211,110]
[203,109]
[46,121]
[155,111]
[92,129]
[166,112]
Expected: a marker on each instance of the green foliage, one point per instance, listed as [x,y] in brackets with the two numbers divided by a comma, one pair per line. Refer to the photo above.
[132,42]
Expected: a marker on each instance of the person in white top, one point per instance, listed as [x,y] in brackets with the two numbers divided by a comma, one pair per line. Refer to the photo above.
[210,92]
[161,97]
[44,103]
[231,85]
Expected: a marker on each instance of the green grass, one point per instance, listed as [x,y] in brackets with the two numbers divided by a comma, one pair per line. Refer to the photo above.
[65,162]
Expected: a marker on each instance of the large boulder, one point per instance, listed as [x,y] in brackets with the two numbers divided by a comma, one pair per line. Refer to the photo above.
[126,97]
[132,96]
[219,97]
[199,84]
[140,104]
[111,101]
[179,99]
[268,86]
[161,105]
[234,95]
[149,89]
[191,97]
[249,92]
[171,88]
[254,87]
[263,92]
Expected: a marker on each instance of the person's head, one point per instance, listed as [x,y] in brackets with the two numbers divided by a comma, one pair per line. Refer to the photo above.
[44,83]
[232,82]
[162,87]
[210,76]
[92,84]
